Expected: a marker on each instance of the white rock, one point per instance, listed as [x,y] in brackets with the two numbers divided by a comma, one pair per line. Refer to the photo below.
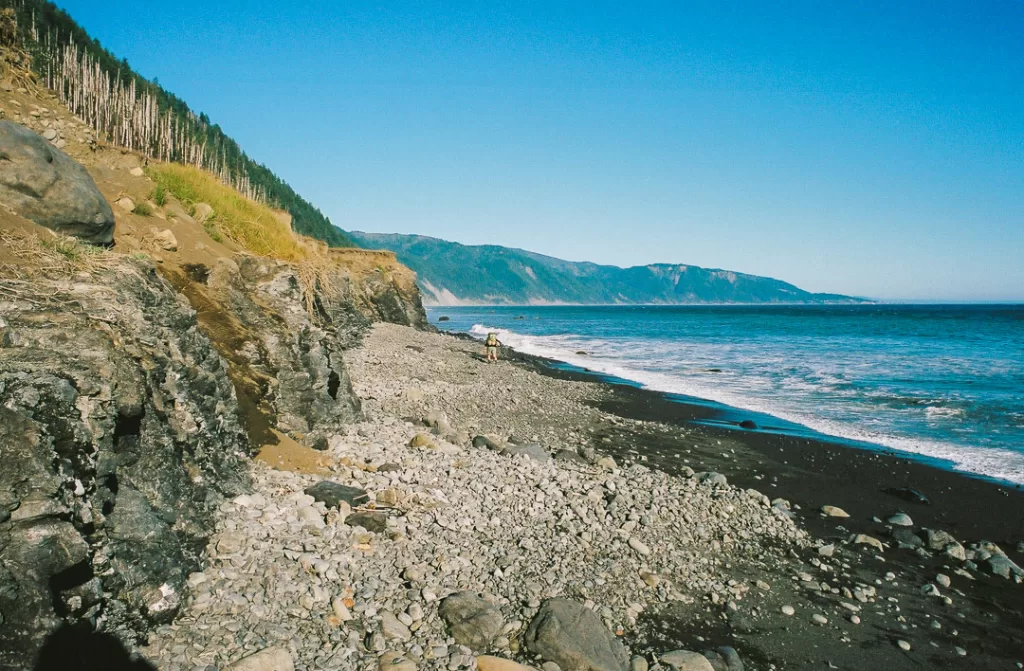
[639,546]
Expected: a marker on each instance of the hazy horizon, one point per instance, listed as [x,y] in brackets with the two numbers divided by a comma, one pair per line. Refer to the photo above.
[870,150]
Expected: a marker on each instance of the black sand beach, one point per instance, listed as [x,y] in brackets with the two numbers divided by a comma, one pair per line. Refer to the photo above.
[987,616]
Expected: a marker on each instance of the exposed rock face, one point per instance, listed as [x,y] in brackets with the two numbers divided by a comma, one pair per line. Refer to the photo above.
[285,362]
[118,437]
[40,183]
[381,287]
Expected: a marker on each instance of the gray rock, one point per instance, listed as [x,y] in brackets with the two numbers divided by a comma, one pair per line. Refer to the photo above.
[331,494]
[532,450]
[1003,566]
[201,212]
[166,241]
[730,658]
[371,520]
[393,628]
[906,537]
[571,457]
[937,540]
[574,637]
[472,620]
[486,441]
[42,184]
[395,661]
[685,660]
[955,551]
[712,478]
[900,520]
[268,659]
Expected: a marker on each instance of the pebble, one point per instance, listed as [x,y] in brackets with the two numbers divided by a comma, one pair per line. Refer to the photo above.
[900,520]
[788,610]
[819,619]
[833,511]
[904,646]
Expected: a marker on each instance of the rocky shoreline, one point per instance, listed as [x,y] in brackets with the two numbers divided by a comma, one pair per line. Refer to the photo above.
[475,518]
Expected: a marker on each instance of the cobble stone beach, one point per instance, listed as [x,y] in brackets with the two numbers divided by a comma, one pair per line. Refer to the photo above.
[468,518]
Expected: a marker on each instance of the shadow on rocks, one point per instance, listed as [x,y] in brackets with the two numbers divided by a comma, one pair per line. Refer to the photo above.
[77,648]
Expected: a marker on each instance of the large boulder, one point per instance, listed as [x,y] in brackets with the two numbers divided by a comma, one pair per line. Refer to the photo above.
[472,620]
[42,184]
[572,636]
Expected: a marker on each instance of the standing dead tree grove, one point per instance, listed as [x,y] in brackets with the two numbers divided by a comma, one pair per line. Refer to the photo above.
[131,118]
[129,111]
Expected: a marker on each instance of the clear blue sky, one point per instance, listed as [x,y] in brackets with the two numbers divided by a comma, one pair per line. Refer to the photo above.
[866,148]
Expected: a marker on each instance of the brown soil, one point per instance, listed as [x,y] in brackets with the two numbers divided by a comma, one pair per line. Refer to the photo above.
[288,455]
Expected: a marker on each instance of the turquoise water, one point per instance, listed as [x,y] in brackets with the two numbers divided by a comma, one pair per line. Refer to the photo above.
[943,382]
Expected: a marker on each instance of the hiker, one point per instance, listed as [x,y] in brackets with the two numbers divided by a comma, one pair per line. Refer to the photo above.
[492,344]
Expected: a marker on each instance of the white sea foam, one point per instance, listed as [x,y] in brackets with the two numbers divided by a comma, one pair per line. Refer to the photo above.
[741,392]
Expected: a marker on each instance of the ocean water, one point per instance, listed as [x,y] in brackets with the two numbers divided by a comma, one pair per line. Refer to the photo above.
[945,383]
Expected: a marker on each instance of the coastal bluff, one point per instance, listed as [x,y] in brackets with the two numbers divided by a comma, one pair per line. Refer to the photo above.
[139,378]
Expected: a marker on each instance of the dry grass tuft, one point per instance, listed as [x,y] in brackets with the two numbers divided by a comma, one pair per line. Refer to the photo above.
[52,254]
[250,224]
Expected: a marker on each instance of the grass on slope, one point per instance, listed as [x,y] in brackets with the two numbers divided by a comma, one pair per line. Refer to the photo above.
[250,224]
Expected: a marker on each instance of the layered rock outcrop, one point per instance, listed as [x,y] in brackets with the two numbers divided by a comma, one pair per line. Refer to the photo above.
[119,436]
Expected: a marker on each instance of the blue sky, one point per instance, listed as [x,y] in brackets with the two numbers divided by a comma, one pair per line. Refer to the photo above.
[865,148]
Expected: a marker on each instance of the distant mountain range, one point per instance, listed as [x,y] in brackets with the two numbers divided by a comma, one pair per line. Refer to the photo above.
[454,274]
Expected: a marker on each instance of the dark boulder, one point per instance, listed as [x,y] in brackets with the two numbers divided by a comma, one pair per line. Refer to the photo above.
[724,659]
[485,441]
[373,521]
[42,184]
[331,494]
[572,636]
[906,537]
[472,620]
[572,457]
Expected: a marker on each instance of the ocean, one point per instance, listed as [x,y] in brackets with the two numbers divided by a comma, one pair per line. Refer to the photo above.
[943,383]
